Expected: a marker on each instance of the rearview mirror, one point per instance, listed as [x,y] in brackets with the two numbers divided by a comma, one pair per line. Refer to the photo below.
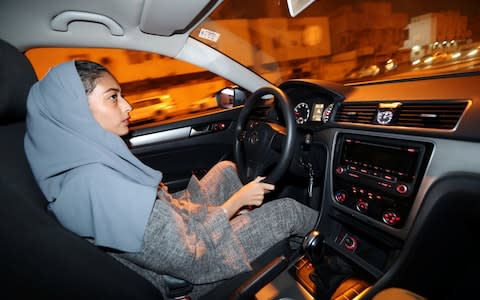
[297,6]
[230,97]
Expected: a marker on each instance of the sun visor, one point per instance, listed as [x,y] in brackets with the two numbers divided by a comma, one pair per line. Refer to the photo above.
[167,17]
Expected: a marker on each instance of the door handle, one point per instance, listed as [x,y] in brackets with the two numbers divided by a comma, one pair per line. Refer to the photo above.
[201,129]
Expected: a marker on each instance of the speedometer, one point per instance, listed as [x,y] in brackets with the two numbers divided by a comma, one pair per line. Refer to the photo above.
[302,112]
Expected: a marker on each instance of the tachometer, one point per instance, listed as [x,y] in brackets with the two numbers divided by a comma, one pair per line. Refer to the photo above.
[302,112]
[327,113]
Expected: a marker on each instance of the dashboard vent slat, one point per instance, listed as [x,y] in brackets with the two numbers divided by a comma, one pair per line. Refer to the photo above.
[422,114]
[431,115]
[356,113]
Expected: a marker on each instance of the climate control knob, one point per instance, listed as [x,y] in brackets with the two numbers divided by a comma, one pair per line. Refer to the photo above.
[341,196]
[401,188]
[362,205]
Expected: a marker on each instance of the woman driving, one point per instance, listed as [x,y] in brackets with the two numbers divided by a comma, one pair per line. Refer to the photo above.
[99,190]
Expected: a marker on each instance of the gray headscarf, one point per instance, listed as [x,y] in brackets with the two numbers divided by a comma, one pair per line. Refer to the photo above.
[95,186]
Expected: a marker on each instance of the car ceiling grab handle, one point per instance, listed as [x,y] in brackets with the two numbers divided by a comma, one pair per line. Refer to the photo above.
[60,22]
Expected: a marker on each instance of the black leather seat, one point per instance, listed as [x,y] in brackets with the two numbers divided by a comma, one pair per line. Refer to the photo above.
[38,256]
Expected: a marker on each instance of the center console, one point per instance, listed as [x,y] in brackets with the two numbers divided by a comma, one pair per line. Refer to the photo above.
[374,182]
[374,185]
[377,178]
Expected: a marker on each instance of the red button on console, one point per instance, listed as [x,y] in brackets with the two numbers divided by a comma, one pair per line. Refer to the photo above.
[390,217]
[350,243]
[402,188]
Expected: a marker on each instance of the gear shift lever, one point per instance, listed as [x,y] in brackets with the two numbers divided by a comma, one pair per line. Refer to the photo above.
[311,243]
[329,270]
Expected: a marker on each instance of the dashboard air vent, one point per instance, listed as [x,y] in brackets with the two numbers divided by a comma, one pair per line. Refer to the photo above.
[356,113]
[422,114]
[439,115]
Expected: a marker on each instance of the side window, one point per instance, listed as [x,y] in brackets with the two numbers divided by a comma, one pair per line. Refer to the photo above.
[160,89]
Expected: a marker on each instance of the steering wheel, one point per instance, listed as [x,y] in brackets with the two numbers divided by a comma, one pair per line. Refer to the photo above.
[260,144]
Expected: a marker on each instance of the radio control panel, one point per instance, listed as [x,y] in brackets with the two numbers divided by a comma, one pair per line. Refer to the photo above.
[376,178]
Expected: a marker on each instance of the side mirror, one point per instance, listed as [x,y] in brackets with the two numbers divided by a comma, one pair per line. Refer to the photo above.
[230,97]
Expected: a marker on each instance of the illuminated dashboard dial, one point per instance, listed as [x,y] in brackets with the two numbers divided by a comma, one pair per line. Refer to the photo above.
[327,113]
[384,117]
[302,112]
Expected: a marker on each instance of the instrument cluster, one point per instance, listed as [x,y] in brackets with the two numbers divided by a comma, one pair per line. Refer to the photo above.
[314,111]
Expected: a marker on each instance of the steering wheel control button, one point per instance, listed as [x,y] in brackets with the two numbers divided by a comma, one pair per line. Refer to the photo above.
[390,217]
[252,124]
[401,188]
[254,139]
[241,136]
[341,196]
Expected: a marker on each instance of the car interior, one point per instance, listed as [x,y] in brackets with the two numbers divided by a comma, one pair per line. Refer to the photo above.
[391,165]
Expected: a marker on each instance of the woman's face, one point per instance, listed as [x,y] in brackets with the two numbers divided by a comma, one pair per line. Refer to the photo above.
[108,106]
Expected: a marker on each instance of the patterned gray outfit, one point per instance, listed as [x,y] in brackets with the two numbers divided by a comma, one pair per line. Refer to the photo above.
[189,235]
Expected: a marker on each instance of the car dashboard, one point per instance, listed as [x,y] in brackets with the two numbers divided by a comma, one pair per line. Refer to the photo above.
[399,177]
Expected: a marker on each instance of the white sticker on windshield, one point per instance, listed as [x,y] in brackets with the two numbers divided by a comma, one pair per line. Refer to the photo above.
[209,35]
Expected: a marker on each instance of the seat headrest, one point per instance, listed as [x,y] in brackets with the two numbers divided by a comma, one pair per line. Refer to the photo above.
[16,78]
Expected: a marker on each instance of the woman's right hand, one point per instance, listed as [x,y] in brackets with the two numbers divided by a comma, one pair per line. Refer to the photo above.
[251,194]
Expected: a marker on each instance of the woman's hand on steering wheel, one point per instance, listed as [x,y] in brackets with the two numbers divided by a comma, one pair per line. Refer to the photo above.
[251,194]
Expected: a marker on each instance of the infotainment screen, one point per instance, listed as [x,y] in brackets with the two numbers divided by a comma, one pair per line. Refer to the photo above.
[397,159]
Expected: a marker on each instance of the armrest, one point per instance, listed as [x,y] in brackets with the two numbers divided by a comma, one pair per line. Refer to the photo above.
[266,274]
[176,287]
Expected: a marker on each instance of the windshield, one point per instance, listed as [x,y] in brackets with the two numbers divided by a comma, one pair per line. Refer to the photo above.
[347,41]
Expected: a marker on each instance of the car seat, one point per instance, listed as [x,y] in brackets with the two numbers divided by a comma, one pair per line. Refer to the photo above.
[38,256]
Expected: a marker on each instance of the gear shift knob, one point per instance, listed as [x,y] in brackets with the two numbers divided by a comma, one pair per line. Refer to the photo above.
[329,269]
[310,243]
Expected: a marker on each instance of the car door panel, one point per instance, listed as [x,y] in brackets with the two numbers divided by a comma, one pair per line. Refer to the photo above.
[192,146]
